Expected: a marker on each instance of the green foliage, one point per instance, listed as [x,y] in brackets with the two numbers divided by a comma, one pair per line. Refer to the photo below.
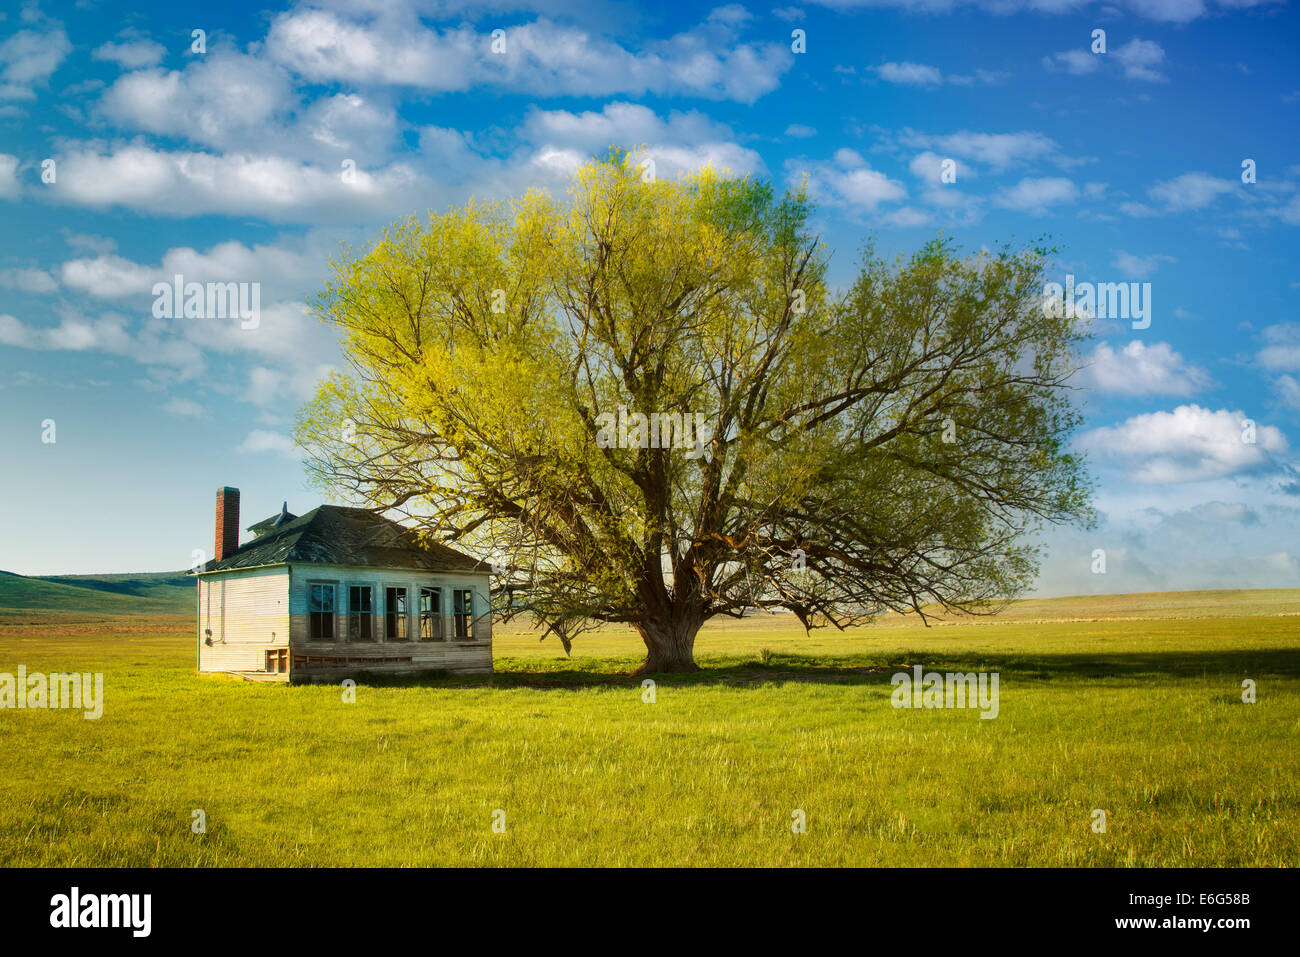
[489,346]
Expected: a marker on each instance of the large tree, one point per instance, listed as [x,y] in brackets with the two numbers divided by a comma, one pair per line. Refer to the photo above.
[835,454]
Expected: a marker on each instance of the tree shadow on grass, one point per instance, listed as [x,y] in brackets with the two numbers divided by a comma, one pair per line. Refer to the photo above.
[748,671]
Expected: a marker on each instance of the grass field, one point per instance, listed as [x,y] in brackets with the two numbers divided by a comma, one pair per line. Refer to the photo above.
[1128,704]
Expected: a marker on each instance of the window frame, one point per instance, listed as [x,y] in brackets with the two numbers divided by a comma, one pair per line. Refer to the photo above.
[435,616]
[404,593]
[466,616]
[333,613]
[365,620]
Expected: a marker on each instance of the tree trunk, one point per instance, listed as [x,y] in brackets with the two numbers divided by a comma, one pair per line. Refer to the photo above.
[670,645]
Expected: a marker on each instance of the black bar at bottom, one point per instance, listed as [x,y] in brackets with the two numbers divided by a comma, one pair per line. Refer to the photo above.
[331,907]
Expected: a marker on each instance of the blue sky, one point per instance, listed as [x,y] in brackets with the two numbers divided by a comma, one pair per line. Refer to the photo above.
[225,165]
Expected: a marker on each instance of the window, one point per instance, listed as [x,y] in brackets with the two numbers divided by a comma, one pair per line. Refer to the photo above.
[430,614]
[462,600]
[277,661]
[360,610]
[395,614]
[321,612]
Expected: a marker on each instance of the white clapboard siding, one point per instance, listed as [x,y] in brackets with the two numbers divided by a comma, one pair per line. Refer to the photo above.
[243,613]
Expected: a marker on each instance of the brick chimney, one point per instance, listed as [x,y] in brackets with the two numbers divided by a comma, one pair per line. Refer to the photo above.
[227,522]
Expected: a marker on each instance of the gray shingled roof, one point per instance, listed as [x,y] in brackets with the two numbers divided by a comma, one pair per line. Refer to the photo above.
[284,516]
[335,535]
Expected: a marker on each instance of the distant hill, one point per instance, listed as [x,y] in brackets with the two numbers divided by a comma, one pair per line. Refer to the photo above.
[136,593]
[173,593]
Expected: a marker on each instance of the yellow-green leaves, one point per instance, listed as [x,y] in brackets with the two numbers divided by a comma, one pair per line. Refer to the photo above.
[899,437]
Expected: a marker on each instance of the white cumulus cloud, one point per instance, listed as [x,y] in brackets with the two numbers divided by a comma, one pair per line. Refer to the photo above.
[910,74]
[1189,444]
[847,181]
[1139,369]
[263,440]
[1034,195]
[541,58]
